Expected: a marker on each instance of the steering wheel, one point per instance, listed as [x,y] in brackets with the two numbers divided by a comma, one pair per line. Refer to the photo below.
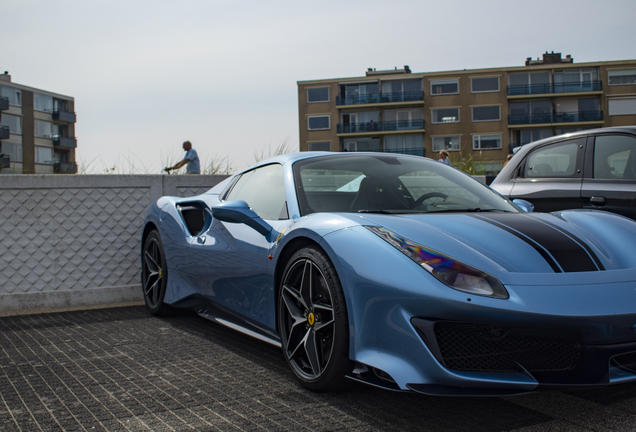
[429,195]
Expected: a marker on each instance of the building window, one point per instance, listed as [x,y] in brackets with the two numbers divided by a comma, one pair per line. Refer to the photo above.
[445,115]
[405,144]
[43,129]
[42,103]
[487,113]
[315,95]
[13,150]
[621,106]
[14,123]
[318,122]
[525,136]
[43,155]
[451,143]
[13,95]
[353,94]
[482,85]
[362,144]
[621,77]
[486,142]
[444,87]
[319,146]
[529,83]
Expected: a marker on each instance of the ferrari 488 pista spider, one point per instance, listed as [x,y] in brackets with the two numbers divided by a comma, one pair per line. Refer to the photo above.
[400,272]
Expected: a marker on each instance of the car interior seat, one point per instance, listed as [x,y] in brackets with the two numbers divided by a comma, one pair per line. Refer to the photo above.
[377,193]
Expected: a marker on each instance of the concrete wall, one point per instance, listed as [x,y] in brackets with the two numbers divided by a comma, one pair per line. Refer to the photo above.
[73,240]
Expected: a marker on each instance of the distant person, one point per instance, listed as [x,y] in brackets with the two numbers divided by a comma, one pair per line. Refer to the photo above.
[443,157]
[191,158]
[508,159]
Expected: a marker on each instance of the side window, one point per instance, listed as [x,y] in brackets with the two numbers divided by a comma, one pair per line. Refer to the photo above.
[614,157]
[555,161]
[264,190]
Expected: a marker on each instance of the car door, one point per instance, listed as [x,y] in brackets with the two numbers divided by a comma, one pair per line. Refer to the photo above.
[235,272]
[550,176]
[610,174]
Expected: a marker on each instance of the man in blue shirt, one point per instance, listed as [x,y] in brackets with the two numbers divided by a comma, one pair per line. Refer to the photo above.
[191,158]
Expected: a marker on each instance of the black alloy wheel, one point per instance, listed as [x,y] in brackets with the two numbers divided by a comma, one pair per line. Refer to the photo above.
[313,322]
[154,275]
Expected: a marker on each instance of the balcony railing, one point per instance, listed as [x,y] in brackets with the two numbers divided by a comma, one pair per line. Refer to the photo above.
[4,132]
[381,126]
[4,103]
[408,96]
[60,141]
[64,116]
[586,86]
[415,151]
[65,167]
[564,117]
[5,161]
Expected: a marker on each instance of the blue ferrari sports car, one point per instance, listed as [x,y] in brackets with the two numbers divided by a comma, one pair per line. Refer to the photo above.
[400,272]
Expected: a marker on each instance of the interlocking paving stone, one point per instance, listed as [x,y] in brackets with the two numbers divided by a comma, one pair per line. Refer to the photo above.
[121,369]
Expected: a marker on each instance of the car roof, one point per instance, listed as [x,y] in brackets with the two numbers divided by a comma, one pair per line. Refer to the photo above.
[615,129]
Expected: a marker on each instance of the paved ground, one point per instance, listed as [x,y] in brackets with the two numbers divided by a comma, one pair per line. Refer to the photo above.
[120,369]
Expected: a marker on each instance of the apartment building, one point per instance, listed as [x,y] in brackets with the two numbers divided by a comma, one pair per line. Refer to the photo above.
[478,113]
[37,130]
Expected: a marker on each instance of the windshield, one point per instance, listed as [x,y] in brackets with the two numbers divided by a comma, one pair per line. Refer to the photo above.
[387,183]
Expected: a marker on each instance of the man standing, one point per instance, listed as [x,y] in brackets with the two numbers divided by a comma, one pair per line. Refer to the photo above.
[191,158]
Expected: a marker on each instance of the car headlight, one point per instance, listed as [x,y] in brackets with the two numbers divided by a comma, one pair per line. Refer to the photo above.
[447,270]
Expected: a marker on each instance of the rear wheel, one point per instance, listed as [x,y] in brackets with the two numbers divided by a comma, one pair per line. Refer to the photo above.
[154,275]
[313,323]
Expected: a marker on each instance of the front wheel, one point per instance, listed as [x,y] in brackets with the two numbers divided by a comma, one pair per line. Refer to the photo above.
[313,323]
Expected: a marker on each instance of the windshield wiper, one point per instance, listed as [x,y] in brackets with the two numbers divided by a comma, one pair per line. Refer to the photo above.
[374,211]
[468,210]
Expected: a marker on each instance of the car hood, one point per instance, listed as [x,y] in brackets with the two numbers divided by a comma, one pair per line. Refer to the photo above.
[567,242]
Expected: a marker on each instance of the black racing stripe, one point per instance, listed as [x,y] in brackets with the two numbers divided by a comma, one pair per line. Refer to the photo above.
[583,244]
[542,251]
[570,255]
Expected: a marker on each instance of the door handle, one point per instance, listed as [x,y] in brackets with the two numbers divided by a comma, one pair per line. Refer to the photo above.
[201,239]
[597,200]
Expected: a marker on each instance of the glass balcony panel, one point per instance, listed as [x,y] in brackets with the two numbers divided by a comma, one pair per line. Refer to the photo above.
[360,99]
[4,132]
[562,87]
[4,103]
[381,126]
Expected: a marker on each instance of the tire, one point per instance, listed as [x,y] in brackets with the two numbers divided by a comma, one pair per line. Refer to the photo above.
[313,322]
[154,275]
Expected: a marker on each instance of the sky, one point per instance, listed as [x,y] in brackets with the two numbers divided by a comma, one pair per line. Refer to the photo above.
[148,75]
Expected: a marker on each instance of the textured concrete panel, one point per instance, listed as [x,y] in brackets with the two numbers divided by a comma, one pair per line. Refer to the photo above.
[67,233]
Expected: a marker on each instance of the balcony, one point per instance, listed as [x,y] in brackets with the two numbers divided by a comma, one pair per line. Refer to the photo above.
[587,86]
[65,168]
[4,103]
[4,132]
[564,117]
[414,151]
[64,116]
[60,141]
[5,161]
[378,98]
[385,126]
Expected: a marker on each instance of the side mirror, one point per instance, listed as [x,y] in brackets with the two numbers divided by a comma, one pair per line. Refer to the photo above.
[240,212]
[524,205]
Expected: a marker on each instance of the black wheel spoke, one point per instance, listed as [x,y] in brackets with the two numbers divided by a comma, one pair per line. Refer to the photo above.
[306,284]
[312,353]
